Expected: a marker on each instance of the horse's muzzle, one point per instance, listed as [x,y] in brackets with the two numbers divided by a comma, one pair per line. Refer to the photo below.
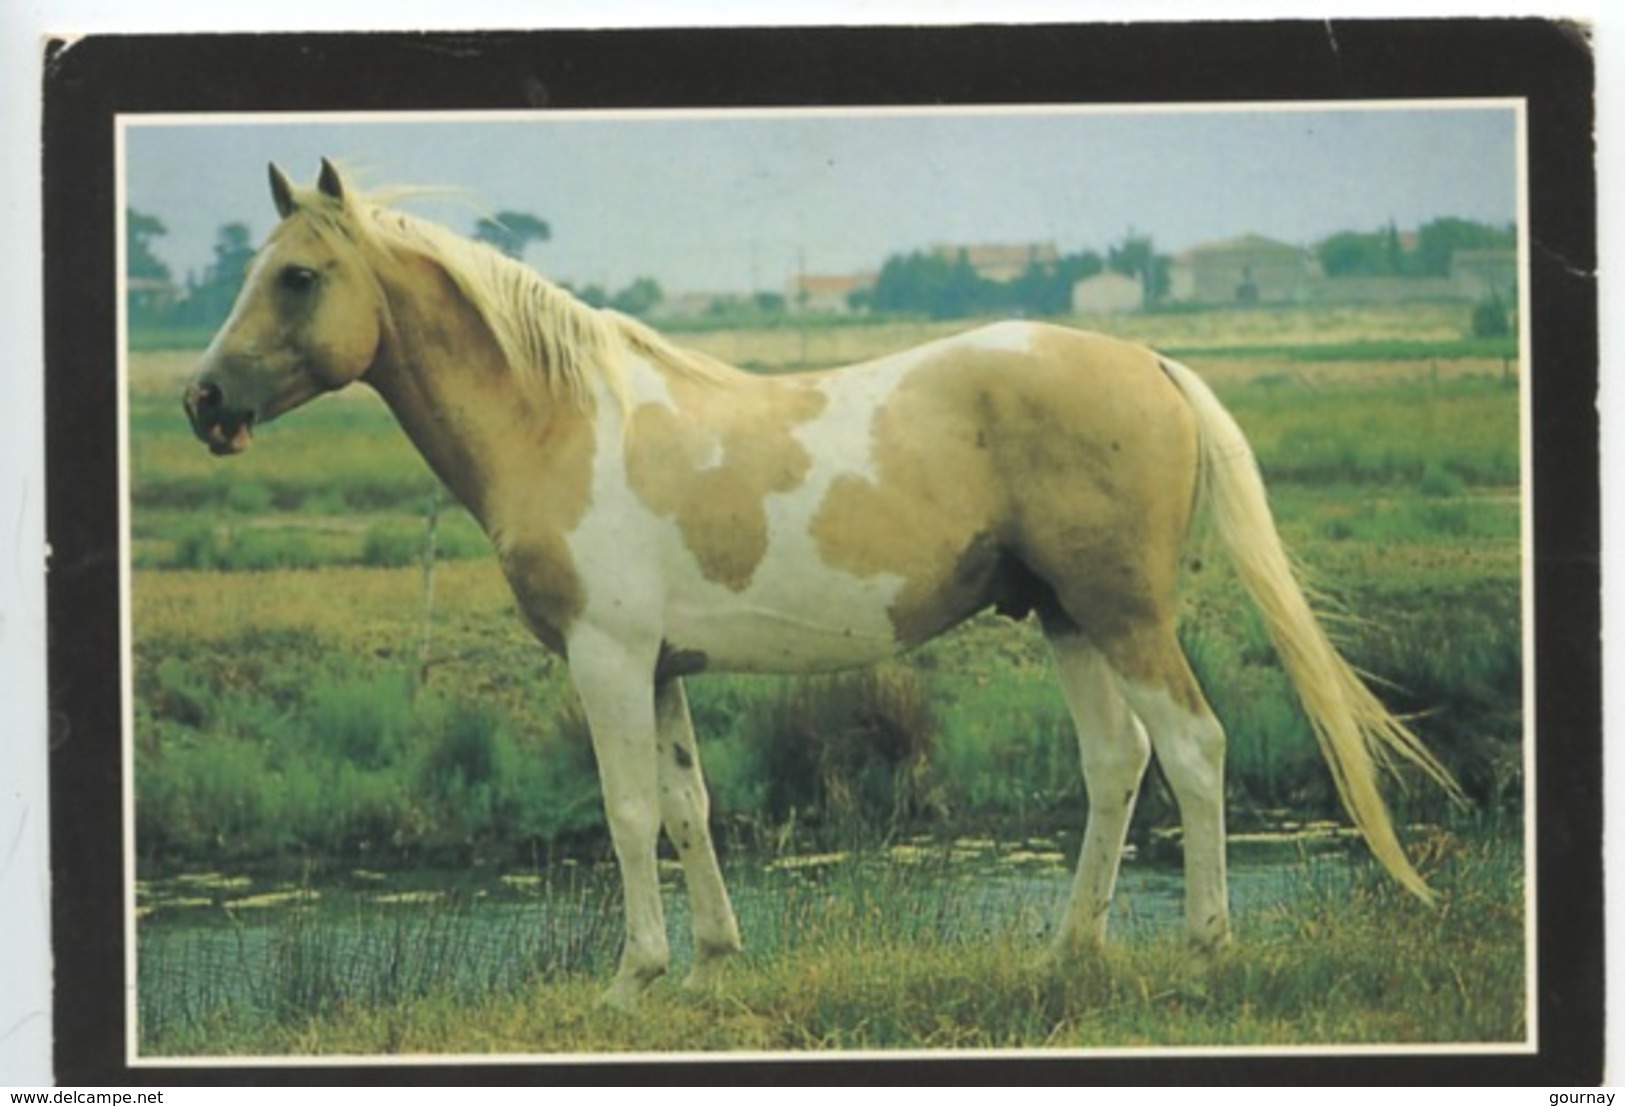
[217,426]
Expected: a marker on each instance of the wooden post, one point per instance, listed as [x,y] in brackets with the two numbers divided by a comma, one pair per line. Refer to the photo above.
[430,555]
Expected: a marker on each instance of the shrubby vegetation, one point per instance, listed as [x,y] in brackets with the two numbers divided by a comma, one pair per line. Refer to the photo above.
[344,757]
[269,745]
[1386,253]
[942,285]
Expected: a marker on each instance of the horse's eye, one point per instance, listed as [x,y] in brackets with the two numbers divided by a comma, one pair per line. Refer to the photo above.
[297,278]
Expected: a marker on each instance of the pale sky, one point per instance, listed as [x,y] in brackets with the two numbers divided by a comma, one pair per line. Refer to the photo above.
[738,202]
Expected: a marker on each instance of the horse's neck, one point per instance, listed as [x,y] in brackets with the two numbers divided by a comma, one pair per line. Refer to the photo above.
[475,422]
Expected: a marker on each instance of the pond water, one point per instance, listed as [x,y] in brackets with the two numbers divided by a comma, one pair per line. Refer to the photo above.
[252,949]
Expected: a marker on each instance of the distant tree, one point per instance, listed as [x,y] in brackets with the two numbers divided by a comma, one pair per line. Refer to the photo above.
[233,250]
[1394,249]
[1354,253]
[1383,252]
[1490,318]
[1077,266]
[1046,288]
[140,230]
[1136,256]
[151,288]
[944,286]
[1161,278]
[911,284]
[1037,291]
[593,295]
[208,300]
[1438,241]
[512,231]
[638,298]
[1132,256]
[962,293]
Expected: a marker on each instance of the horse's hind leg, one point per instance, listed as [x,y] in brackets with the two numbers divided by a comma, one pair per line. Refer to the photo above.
[685,809]
[1153,675]
[1114,750]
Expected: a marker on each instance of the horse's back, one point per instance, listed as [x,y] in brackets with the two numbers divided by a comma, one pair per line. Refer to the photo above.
[1027,425]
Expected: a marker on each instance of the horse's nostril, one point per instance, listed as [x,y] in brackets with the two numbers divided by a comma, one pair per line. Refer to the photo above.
[200,399]
[221,428]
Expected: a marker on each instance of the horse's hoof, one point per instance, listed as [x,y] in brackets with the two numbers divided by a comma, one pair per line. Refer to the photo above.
[1067,954]
[627,989]
[620,999]
[705,977]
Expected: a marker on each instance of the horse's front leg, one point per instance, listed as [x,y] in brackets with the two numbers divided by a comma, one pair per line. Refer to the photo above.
[685,808]
[615,680]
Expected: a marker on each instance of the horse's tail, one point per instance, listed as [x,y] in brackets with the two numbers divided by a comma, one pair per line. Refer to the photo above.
[1356,733]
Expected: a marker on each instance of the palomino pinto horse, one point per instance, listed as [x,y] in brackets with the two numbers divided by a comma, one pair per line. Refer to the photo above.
[659,514]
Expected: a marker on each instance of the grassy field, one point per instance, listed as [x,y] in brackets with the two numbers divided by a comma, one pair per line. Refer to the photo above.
[298,703]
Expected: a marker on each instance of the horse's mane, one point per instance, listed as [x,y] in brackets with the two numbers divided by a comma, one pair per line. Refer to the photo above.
[546,334]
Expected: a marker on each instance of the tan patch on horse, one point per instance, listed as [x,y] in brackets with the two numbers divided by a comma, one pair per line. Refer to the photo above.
[1057,478]
[933,516]
[1154,658]
[711,463]
[534,553]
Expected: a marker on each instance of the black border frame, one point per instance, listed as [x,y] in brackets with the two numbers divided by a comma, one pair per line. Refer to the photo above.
[90,82]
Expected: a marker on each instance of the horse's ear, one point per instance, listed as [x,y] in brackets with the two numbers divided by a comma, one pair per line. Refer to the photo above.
[330,183]
[282,192]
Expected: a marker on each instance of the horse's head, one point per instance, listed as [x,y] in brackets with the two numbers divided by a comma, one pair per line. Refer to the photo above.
[308,320]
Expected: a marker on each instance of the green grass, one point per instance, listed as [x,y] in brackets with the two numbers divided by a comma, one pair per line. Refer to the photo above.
[1386,349]
[1388,434]
[850,968]
[342,451]
[167,338]
[229,542]
[271,756]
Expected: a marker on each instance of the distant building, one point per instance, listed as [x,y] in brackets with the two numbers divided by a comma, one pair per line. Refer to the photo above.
[1107,293]
[1247,269]
[825,293]
[1000,263]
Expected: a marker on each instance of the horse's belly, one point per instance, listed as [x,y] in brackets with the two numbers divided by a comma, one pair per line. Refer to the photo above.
[753,643]
[821,620]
